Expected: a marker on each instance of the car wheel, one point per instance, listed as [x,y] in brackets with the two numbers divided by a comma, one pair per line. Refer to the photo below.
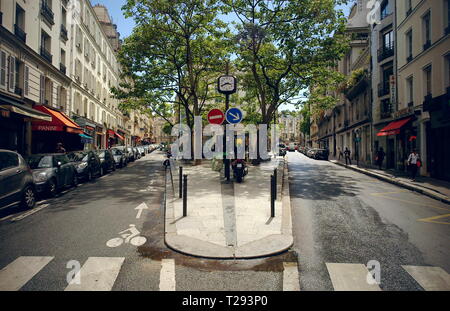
[29,197]
[52,188]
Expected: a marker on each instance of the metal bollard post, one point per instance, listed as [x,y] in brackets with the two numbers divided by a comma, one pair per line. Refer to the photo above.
[275,174]
[272,196]
[184,195]
[180,181]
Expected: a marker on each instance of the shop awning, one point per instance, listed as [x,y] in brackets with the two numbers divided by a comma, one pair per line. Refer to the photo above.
[120,136]
[394,127]
[59,123]
[85,136]
[86,139]
[24,110]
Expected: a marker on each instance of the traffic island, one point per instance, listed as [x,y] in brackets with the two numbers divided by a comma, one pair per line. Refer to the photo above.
[226,220]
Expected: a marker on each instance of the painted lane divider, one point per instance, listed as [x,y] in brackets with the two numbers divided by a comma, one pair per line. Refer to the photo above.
[167,276]
[97,274]
[20,271]
[29,213]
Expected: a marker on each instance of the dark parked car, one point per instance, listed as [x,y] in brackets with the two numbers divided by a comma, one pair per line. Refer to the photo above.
[16,181]
[107,161]
[87,164]
[321,154]
[52,172]
[282,148]
[119,157]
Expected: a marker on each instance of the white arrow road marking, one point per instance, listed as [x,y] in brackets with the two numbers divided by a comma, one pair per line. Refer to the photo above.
[291,280]
[141,207]
[20,271]
[167,275]
[97,274]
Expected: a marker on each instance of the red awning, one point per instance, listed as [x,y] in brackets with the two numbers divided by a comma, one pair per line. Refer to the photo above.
[120,136]
[60,122]
[393,128]
[111,133]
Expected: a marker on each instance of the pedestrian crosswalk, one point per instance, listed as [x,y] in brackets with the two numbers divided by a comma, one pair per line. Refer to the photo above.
[101,274]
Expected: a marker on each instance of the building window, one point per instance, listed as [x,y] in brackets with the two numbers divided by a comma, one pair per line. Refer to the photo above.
[426,27]
[427,76]
[46,46]
[385,9]
[447,17]
[410,91]
[447,71]
[19,26]
[409,46]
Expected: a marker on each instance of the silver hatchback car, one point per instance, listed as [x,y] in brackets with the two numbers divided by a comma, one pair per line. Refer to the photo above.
[16,181]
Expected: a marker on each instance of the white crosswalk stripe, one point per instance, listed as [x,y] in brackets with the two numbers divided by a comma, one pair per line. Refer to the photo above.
[97,274]
[430,278]
[350,277]
[167,276]
[291,281]
[20,271]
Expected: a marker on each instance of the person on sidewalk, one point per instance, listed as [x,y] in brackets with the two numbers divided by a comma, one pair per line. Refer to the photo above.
[347,154]
[414,163]
[380,157]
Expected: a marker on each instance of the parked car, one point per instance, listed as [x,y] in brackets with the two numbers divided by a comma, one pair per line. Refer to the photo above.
[107,163]
[320,154]
[126,153]
[310,152]
[132,155]
[282,149]
[52,172]
[137,154]
[16,181]
[141,150]
[292,147]
[87,164]
[119,157]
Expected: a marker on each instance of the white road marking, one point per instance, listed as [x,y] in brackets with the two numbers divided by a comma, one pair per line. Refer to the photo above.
[350,277]
[430,278]
[141,207]
[167,275]
[97,274]
[30,212]
[291,281]
[20,271]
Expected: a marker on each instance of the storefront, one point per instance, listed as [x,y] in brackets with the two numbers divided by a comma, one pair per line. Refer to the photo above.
[99,137]
[88,138]
[15,124]
[61,129]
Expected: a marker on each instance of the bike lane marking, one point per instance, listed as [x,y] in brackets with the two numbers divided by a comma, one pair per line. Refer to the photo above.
[167,276]
[97,274]
[20,271]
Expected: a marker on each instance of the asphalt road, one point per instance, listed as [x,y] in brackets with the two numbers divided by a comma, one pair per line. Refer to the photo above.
[341,216]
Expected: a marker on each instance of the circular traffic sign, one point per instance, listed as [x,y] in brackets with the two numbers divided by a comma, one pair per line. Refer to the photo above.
[234,115]
[216,116]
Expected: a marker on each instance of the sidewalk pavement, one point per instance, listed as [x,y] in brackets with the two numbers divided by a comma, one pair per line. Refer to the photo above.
[437,189]
[229,220]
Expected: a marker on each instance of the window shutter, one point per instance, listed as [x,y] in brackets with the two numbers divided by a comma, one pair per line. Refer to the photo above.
[26,84]
[2,70]
[12,74]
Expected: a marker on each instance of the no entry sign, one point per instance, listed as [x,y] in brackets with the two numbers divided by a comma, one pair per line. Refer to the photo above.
[216,116]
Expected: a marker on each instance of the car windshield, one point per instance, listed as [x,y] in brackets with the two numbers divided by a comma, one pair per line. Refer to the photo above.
[116,152]
[78,156]
[40,161]
[101,154]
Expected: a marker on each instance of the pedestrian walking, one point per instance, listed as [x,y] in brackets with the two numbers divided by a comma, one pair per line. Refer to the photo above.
[379,158]
[60,148]
[347,154]
[340,153]
[414,164]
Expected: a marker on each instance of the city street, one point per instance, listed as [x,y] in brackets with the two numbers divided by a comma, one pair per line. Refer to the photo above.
[339,216]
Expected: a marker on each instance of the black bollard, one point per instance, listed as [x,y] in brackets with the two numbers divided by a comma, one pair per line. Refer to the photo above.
[272,196]
[181,181]
[275,174]
[184,195]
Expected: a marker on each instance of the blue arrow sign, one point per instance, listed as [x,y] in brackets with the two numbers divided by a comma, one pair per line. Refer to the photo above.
[234,115]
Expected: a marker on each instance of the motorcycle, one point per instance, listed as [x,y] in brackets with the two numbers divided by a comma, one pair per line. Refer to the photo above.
[239,171]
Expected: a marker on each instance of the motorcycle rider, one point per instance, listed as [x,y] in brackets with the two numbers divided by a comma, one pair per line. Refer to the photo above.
[235,163]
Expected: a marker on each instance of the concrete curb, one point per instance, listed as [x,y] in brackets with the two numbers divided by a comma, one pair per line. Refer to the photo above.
[427,192]
[264,247]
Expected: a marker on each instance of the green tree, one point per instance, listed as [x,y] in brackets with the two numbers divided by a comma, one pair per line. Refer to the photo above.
[173,55]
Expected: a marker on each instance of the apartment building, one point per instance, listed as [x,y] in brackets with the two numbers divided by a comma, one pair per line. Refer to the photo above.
[423,75]
[34,81]
[290,128]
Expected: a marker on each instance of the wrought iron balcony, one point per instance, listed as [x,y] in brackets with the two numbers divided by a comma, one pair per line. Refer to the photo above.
[47,13]
[427,45]
[385,52]
[383,89]
[20,33]
[62,68]
[64,35]
[46,54]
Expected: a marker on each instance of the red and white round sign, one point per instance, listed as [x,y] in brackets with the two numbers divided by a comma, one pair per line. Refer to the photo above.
[216,116]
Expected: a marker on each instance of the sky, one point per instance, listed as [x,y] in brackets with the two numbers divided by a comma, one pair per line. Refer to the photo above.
[125,25]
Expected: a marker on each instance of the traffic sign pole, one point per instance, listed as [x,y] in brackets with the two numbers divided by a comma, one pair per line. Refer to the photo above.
[226,162]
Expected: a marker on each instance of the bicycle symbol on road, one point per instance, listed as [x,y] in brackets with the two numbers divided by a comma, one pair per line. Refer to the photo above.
[129,236]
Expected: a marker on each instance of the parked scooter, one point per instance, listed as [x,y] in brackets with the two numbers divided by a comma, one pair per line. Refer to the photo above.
[240,170]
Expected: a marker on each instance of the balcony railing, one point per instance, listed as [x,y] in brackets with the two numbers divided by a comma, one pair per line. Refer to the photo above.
[47,13]
[385,52]
[62,68]
[408,13]
[64,33]
[427,45]
[46,54]
[409,59]
[18,91]
[383,89]
[20,33]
